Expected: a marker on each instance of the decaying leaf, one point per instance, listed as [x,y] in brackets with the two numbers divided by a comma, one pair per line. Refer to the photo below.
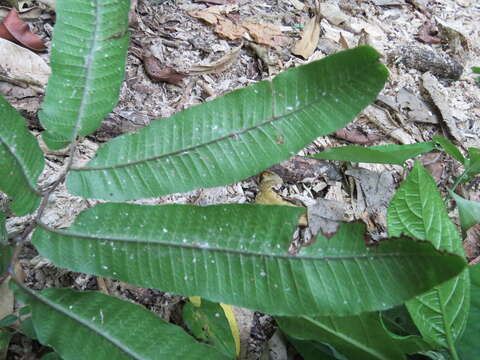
[14,28]
[223,26]
[21,66]
[309,40]
[262,33]
[453,36]
[324,217]
[220,65]
[415,108]
[268,196]
[157,73]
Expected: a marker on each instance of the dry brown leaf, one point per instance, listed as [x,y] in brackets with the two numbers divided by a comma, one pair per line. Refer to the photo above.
[427,33]
[13,27]
[21,66]
[264,33]
[309,40]
[220,65]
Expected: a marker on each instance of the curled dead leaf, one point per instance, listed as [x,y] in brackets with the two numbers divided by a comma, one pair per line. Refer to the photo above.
[157,73]
[427,33]
[14,28]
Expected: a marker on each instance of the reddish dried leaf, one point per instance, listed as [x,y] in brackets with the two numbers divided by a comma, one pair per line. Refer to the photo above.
[20,31]
[157,73]
[427,34]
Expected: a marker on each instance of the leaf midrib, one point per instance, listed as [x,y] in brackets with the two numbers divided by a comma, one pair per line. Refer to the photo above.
[232,251]
[89,67]
[80,320]
[269,120]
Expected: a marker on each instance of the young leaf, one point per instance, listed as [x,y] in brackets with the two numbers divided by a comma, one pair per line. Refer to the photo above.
[238,254]
[21,161]
[382,154]
[103,327]
[417,210]
[208,323]
[237,135]
[468,210]
[468,346]
[88,59]
[450,148]
[359,337]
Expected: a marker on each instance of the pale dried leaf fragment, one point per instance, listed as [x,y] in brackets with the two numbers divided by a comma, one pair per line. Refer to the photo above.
[333,14]
[324,217]
[309,40]
[21,66]
[217,66]
[223,26]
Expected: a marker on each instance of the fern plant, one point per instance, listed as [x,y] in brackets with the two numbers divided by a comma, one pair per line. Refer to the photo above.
[230,254]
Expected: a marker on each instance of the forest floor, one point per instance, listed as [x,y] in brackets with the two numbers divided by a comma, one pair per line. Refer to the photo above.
[185,52]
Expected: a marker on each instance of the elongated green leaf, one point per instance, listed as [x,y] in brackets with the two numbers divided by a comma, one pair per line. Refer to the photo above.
[417,209]
[237,135]
[450,148]
[91,325]
[208,323]
[382,154]
[358,337]
[238,254]
[468,346]
[88,59]
[21,161]
[469,211]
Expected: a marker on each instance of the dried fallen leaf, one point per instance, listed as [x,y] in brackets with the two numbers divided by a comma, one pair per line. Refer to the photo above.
[264,33]
[215,2]
[268,196]
[19,30]
[21,66]
[309,40]
[157,73]
[324,217]
[220,65]
[355,136]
